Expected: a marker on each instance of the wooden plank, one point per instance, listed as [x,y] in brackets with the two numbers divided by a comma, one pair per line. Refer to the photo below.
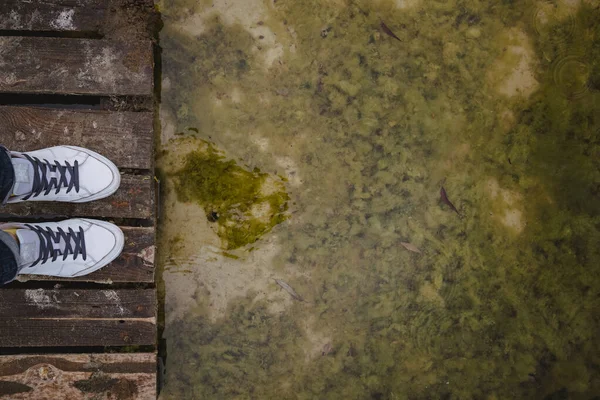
[52,15]
[135,264]
[78,376]
[77,317]
[126,138]
[72,303]
[76,332]
[75,66]
[134,20]
[134,199]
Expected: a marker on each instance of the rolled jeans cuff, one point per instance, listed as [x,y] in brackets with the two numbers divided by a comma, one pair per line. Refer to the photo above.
[9,258]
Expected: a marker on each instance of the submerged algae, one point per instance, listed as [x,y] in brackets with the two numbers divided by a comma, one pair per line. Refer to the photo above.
[245,204]
[373,125]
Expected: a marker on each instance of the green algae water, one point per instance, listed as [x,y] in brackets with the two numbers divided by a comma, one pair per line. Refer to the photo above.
[306,252]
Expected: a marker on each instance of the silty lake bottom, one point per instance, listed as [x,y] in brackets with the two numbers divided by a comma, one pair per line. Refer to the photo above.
[305,248]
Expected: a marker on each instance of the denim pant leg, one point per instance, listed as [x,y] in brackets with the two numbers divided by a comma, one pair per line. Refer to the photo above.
[7,175]
[9,258]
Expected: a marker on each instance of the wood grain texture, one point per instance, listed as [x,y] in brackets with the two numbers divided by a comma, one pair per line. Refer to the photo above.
[16,332]
[135,264]
[126,138]
[52,15]
[77,317]
[77,303]
[78,376]
[134,199]
[132,19]
[76,66]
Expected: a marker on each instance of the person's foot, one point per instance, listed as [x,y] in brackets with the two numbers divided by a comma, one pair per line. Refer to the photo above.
[62,173]
[70,248]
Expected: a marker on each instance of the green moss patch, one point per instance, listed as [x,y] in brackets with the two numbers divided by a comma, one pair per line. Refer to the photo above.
[245,204]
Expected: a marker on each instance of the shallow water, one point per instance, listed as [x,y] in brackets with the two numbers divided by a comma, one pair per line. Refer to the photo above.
[301,142]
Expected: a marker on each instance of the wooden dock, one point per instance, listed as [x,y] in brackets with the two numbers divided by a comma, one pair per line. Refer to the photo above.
[81,72]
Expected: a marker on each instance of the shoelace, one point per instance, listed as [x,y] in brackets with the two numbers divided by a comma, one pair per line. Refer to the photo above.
[43,183]
[48,237]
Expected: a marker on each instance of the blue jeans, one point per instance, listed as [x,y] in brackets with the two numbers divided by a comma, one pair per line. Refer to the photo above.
[9,258]
[7,175]
[9,249]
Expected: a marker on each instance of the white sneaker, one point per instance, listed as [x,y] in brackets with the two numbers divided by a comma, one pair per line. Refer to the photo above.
[70,248]
[63,173]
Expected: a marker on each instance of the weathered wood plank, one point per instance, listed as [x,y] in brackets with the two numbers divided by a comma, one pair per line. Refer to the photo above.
[126,138]
[16,332]
[68,317]
[52,15]
[75,66]
[135,20]
[134,199]
[78,376]
[77,304]
[135,264]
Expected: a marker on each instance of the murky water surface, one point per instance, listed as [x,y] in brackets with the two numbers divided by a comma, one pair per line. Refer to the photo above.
[307,251]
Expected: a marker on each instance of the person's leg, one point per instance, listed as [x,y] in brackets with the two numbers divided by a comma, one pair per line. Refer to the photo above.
[9,258]
[7,175]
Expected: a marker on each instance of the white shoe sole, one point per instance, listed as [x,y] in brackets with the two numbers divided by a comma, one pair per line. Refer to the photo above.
[112,188]
[114,253]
